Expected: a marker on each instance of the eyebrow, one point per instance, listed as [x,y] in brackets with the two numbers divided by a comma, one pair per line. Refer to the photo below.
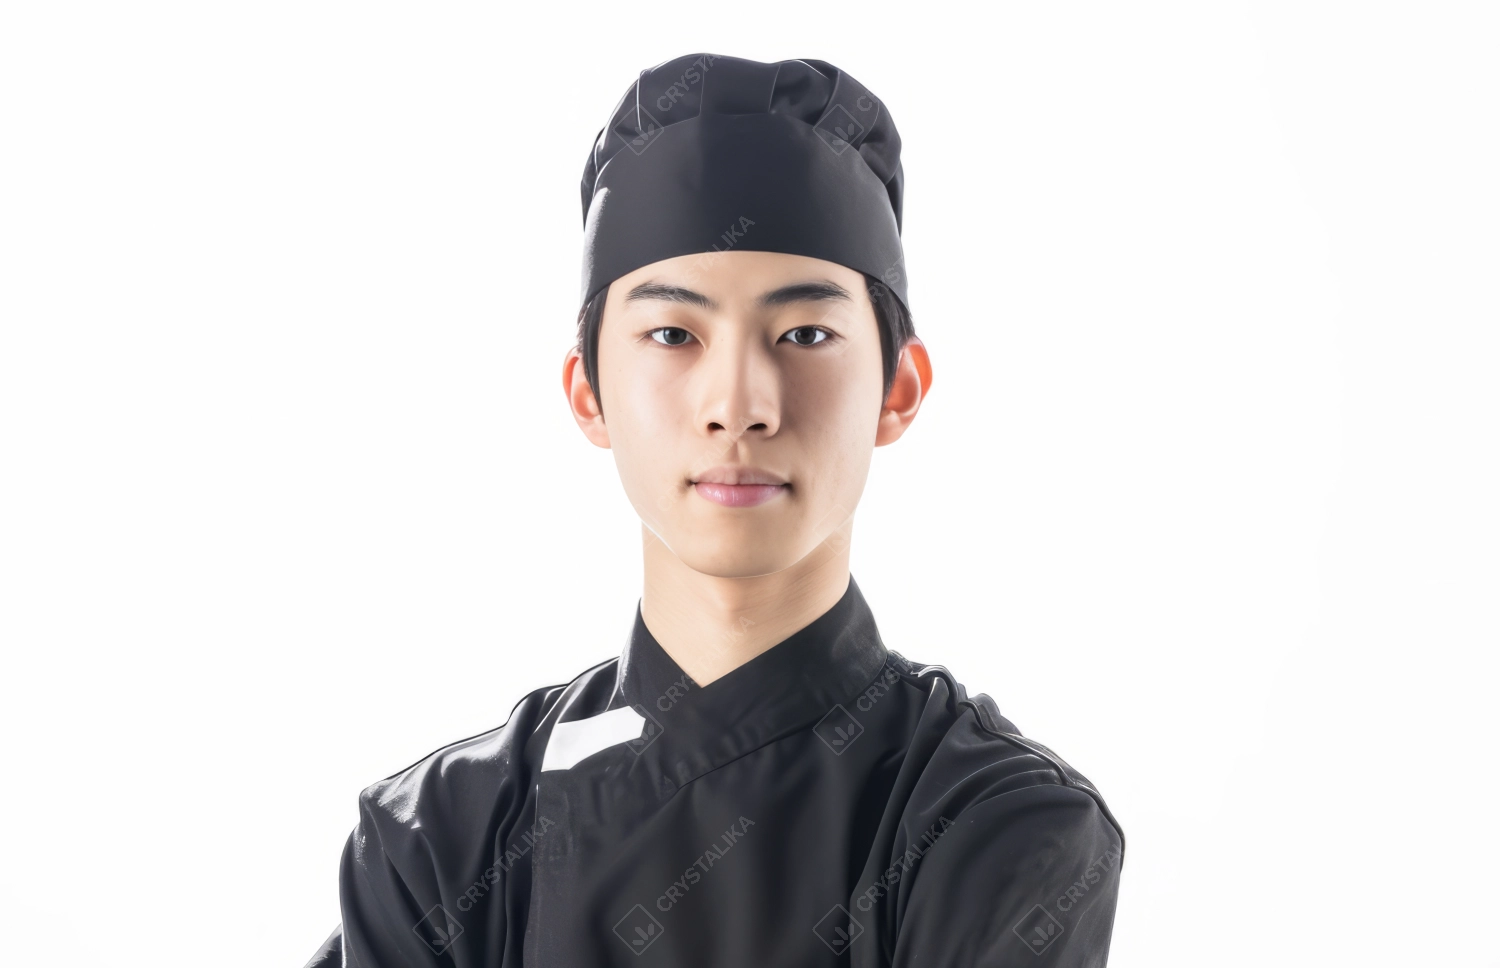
[797,292]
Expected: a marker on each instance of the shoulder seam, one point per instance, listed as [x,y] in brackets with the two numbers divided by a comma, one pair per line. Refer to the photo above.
[547,690]
[1066,774]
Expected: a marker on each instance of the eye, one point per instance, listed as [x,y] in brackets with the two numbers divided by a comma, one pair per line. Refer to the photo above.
[809,335]
[670,335]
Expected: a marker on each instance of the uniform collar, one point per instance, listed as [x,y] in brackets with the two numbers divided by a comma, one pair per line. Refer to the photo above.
[789,686]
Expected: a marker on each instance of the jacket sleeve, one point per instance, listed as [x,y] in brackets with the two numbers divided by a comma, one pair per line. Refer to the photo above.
[331,953]
[421,883]
[386,920]
[1025,878]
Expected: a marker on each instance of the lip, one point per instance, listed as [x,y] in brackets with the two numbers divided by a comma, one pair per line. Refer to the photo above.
[737,474]
[738,487]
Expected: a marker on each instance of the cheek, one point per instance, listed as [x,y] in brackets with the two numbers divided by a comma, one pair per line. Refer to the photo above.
[640,415]
[637,407]
[841,396]
[838,418]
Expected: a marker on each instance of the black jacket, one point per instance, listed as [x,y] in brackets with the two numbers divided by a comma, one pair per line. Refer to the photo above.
[827,803]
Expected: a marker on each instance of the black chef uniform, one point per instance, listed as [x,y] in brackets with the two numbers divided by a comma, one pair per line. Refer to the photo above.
[827,803]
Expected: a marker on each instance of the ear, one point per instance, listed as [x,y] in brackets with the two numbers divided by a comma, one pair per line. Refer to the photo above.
[908,390]
[581,399]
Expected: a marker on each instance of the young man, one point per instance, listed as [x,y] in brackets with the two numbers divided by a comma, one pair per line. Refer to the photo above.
[757,780]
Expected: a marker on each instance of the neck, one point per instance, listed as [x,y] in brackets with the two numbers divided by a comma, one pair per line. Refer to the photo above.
[710,626]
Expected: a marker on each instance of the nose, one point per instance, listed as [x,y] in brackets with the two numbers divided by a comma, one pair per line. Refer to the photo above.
[738,389]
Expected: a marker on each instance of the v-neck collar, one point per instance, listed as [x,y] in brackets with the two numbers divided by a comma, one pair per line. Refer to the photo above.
[691,729]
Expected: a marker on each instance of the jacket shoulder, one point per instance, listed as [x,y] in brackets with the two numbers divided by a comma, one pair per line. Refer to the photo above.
[978,753]
[466,778]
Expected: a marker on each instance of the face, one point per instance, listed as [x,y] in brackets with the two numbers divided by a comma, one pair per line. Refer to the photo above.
[742,398]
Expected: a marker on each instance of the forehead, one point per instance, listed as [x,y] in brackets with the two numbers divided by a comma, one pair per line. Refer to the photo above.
[739,276]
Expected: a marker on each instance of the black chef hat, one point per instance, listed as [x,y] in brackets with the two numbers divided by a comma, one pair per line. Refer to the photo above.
[707,153]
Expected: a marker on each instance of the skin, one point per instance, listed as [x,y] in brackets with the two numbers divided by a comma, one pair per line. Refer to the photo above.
[793,388]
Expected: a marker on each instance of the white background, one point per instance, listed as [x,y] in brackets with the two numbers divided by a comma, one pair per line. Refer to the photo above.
[1204,494]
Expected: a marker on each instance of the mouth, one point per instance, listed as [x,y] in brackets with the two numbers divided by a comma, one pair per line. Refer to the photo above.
[738,487]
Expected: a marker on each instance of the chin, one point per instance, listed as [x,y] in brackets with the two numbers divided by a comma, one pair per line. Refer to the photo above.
[735,556]
[739,563]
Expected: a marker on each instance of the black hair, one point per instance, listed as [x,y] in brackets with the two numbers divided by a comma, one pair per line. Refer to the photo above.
[891,317]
